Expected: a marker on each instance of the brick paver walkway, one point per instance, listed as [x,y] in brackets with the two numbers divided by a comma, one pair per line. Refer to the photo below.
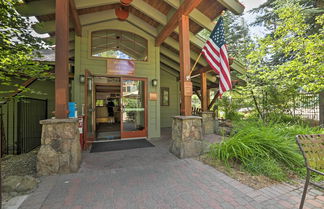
[152,178]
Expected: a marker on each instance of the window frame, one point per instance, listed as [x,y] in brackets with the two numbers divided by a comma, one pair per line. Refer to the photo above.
[162,89]
[105,58]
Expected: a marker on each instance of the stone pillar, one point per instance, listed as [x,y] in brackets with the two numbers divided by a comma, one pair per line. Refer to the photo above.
[186,136]
[216,126]
[60,150]
[207,122]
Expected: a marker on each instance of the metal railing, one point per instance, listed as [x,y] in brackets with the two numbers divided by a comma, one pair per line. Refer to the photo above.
[20,130]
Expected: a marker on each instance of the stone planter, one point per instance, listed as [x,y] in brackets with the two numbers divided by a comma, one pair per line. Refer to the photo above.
[60,150]
[186,136]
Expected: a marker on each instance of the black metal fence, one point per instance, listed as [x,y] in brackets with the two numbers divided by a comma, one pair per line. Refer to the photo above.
[304,105]
[19,125]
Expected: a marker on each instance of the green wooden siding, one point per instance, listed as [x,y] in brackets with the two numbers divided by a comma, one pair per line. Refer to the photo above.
[44,90]
[149,70]
[170,81]
[39,90]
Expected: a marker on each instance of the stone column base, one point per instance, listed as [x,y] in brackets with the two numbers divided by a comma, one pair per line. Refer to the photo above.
[207,122]
[60,150]
[216,126]
[186,136]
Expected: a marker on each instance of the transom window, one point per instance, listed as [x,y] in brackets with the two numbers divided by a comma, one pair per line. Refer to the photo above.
[118,45]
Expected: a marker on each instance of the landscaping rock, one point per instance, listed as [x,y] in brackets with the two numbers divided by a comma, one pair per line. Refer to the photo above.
[60,151]
[18,184]
[226,123]
[224,131]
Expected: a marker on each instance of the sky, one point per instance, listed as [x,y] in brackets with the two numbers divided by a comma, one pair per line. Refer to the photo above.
[250,4]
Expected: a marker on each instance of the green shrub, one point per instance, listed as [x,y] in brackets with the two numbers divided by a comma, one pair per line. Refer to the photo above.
[264,148]
[268,167]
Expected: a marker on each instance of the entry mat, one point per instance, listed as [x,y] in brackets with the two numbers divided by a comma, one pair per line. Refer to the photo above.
[120,145]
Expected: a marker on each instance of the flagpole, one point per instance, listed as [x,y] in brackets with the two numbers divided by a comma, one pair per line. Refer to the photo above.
[193,67]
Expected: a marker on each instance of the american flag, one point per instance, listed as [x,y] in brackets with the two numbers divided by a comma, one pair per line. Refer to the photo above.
[215,53]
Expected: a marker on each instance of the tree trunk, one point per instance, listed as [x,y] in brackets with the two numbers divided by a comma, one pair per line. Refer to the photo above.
[256,105]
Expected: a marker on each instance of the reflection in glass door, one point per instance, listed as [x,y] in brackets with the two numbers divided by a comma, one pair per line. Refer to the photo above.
[133,103]
[89,131]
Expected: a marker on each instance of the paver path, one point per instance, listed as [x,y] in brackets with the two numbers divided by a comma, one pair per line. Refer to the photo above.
[152,178]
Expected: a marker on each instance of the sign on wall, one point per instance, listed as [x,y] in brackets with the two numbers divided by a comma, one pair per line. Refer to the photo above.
[120,67]
[187,88]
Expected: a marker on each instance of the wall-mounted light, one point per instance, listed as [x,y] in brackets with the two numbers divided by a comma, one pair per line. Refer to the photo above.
[154,82]
[90,84]
[81,78]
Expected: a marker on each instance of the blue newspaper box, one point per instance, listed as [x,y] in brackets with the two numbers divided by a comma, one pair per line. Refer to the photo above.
[72,110]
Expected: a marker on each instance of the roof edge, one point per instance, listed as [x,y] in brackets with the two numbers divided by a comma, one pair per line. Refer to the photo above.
[238,66]
[233,5]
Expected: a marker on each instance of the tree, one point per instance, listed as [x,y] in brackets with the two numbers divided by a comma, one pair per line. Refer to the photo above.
[237,35]
[268,18]
[289,59]
[18,48]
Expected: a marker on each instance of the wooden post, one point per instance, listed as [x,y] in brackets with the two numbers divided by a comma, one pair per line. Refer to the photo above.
[62,58]
[203,84]
[184,48]
[321,108]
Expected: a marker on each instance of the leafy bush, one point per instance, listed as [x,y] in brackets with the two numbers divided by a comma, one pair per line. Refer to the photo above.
[267,167]
[264,148]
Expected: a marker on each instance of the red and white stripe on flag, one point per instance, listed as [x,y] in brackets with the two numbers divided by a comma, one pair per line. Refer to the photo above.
[217,58]
[215,53]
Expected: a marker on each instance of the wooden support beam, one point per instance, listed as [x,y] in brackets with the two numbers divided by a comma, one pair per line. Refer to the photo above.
[198,94]
[201,70]
[184,10]
[214,100]
[24,85]
[75,18]
[62,58]
[234,82]
[185,65]
[203,89]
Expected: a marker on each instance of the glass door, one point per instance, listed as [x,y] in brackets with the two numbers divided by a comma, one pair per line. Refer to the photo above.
[133,107]
[89,112]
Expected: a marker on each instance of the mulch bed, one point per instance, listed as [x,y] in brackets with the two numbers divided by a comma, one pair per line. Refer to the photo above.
[256,182]
[19,165]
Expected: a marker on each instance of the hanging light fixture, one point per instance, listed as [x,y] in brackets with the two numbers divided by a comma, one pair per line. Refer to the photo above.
[122,12]
[126,2]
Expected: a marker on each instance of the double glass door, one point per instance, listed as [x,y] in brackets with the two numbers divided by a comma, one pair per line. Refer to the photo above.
[133,107]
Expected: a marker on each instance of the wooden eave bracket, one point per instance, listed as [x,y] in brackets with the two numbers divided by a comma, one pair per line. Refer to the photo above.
[185,9]
[75,18]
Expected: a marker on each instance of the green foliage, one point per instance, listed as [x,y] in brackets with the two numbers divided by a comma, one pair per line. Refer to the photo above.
[268,167]
[18,47]
[230,107]
[238,39]
[264,148]
[289,58]
[268,18]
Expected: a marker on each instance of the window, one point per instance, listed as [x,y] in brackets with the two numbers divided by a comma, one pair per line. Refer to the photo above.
[118,44]
[165,96]
[128,89]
